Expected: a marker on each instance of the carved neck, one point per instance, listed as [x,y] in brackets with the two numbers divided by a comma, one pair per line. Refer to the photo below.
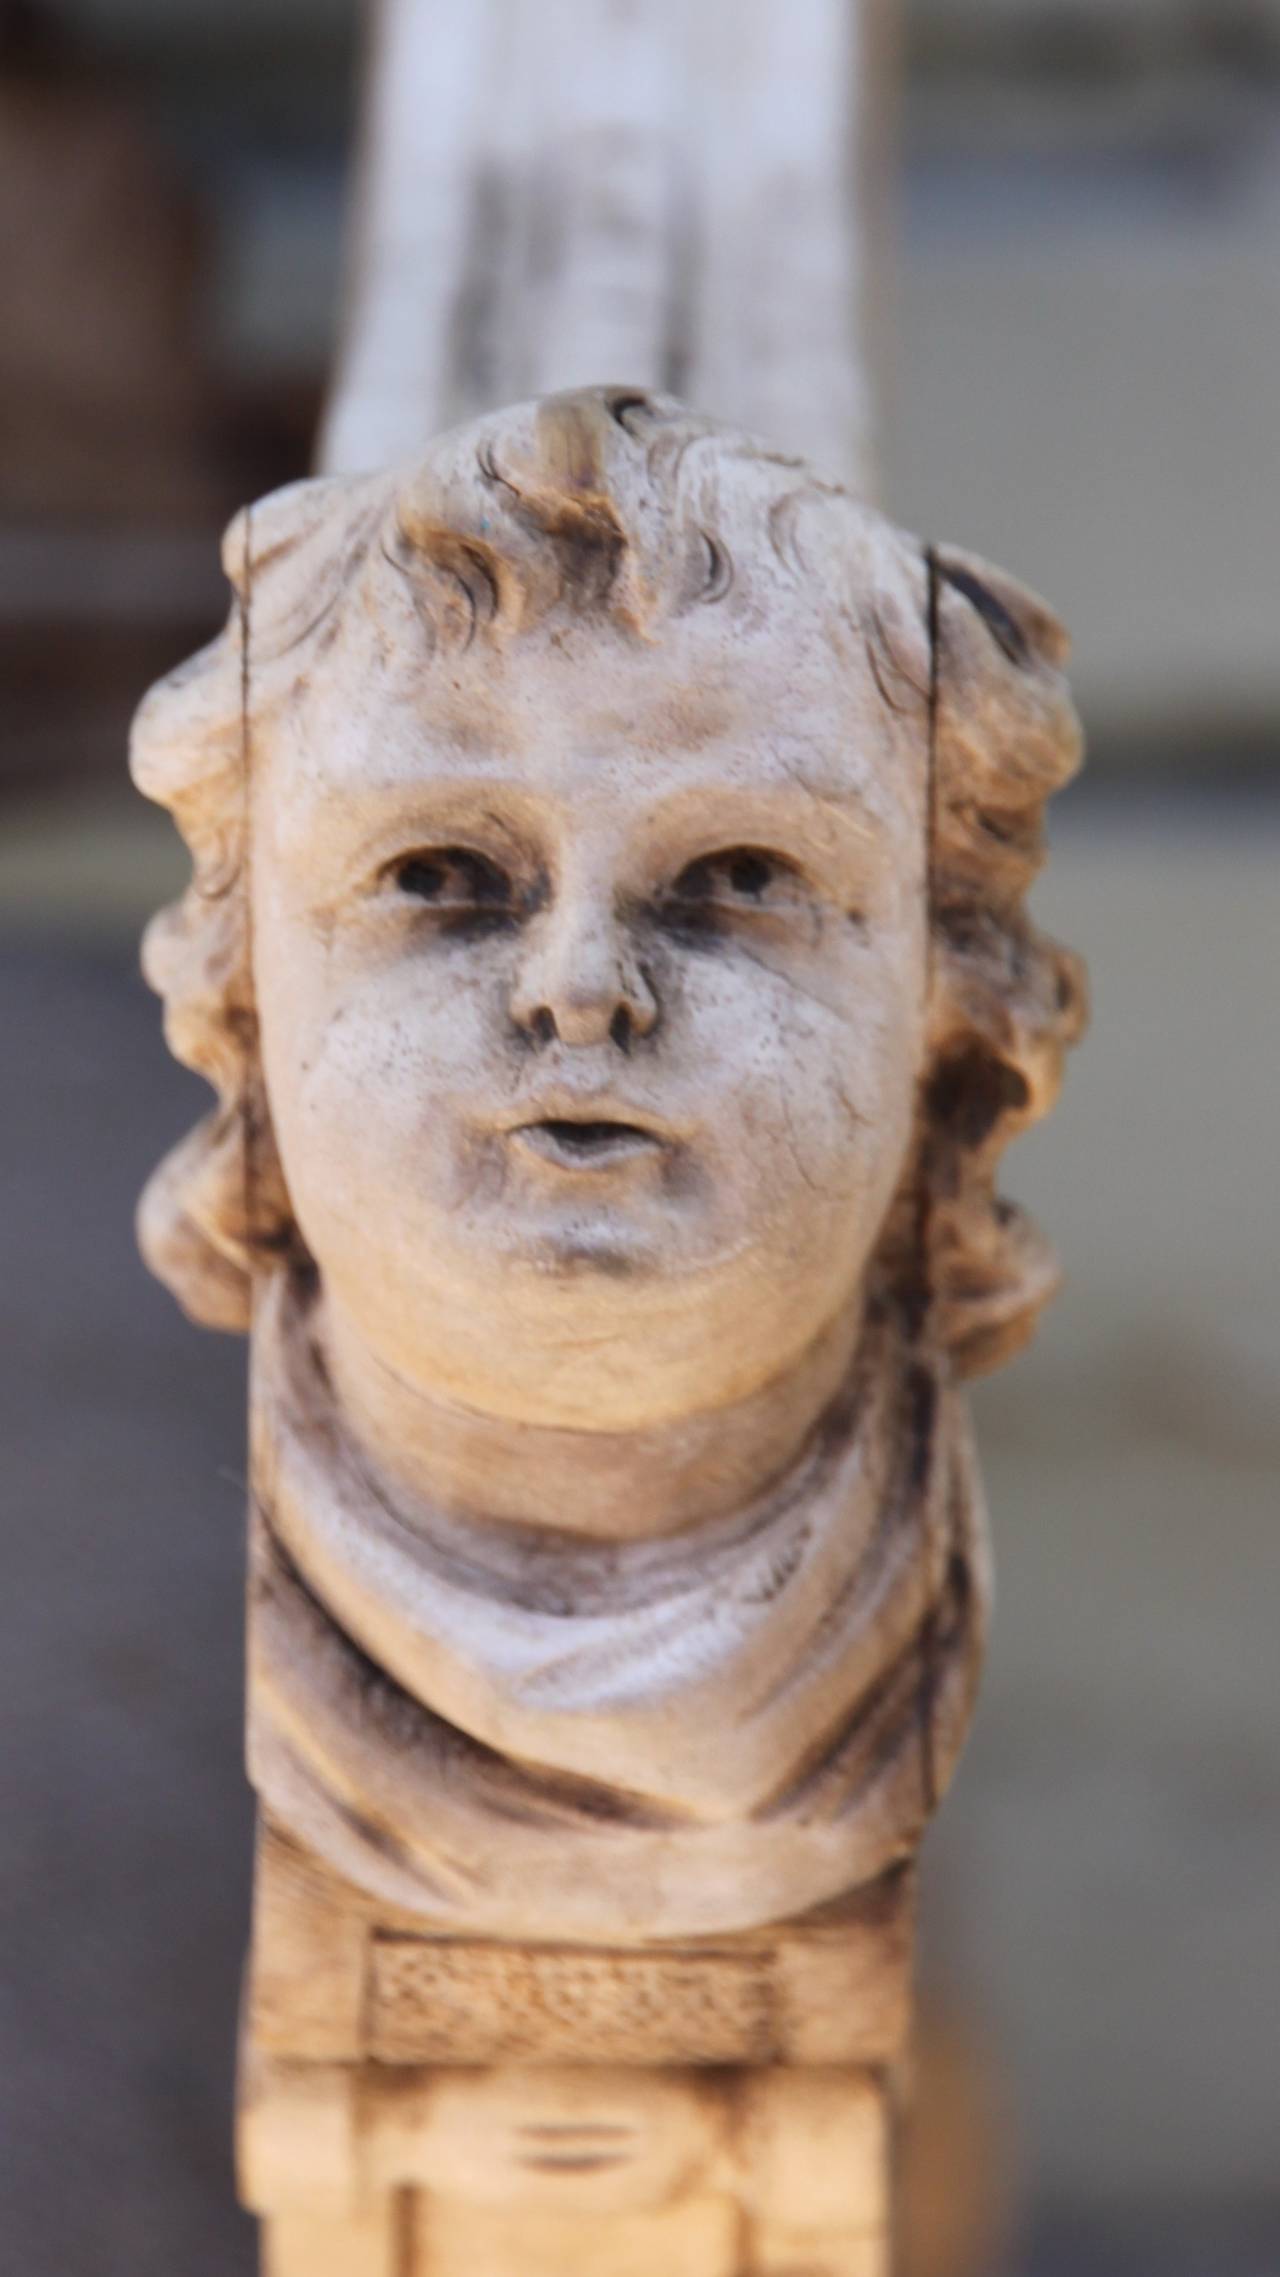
[534,1736]
[611,1486]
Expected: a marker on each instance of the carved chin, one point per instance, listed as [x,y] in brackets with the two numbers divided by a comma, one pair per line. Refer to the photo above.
[588,1244]
[595,1249]
[622,1224]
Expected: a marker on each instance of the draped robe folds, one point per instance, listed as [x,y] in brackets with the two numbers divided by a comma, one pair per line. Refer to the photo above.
[530,1735]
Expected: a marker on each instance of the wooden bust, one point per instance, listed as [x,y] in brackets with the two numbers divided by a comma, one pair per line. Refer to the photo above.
[607,941]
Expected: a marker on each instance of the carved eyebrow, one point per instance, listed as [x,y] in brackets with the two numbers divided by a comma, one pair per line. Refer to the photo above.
[810,781]
[845,801]
[817,819]
[342,830]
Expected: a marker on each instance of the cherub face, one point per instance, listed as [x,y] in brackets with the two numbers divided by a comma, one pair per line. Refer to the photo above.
[591,978]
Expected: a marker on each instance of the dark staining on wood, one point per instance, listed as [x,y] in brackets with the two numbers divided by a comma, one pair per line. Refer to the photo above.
[931,1657]
[512,1790]
[940,1637]
[282,1575]
[920,1399]
[957,1593]
[427,876]
[405,2233]
[465,895]
[473,572]
[623,409]
[1004,628]
[565,500]
[376,1836]
[971,1093]
[525,1793]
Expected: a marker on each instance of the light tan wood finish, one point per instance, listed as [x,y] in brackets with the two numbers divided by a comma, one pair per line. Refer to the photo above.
[373,2244]
[628,1770]
[607,943]
[447,2238]
[599,2165]
[336,1977]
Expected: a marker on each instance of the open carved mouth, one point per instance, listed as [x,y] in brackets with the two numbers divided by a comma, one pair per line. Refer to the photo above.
[586,1143]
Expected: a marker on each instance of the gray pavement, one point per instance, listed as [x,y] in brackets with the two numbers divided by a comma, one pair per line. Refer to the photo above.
[124,1825]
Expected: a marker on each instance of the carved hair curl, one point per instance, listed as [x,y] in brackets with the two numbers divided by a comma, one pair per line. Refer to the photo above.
[626,507]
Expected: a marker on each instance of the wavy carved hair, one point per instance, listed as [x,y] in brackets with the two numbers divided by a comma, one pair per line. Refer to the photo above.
[625,507]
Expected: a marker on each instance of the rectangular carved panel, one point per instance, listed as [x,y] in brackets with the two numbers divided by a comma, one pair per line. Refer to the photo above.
[337,1978]
[445,2001]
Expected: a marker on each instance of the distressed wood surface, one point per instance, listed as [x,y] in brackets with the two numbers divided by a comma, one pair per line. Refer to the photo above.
[573,1740]
[607,943]
[337,1977]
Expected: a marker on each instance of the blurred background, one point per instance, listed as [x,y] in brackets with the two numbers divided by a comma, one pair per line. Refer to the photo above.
[1080,380]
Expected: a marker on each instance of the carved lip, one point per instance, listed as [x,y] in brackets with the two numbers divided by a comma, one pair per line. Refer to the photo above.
[592,1143]
[590,1133]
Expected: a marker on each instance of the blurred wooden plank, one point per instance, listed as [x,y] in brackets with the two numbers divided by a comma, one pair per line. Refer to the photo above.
[615,195]
[778,96]
[590,191]
[411,244]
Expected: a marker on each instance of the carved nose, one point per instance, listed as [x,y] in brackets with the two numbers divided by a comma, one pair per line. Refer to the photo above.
[582,984]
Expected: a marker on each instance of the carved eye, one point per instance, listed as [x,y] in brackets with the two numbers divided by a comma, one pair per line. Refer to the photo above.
[742,877]
[456,881]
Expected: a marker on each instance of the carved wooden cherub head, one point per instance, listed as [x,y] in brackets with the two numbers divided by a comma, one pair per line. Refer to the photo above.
[607,934]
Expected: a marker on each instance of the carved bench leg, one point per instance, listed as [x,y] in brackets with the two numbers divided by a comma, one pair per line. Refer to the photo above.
[698,2238]
[564,2171]
[774,2252]
[409,2232]
[366,2158]
[371,2244]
